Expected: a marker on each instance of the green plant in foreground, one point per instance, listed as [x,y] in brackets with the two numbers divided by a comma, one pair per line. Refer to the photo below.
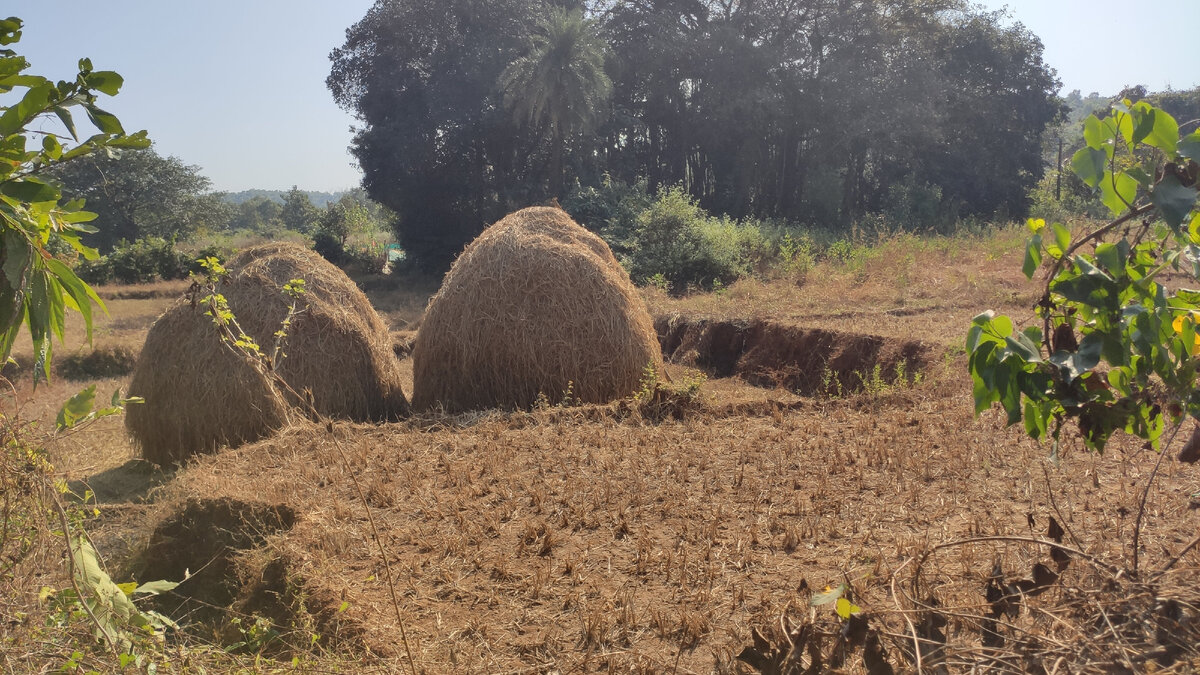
[1116,347]
[36,289]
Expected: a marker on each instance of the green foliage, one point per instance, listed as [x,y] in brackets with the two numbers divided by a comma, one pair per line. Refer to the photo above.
[145,260]
[796,255]
[611,210]
[754,111]
[1116,348]
[559,84]
[36,289]
[140,194]
[298,213]
[678,241]
[435,142]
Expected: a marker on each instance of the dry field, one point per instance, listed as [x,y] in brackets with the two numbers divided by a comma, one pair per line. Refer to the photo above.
[662,535]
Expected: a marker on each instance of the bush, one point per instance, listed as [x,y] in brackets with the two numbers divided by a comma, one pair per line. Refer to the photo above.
[329,245]
[610,210]
[678,241]
[140,262]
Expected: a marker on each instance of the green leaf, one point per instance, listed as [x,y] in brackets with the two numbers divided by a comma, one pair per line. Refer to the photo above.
[1122,124]
[52,147]
[34,102]
[1112,257]
[1033,256]
[104,121]
[1023,347]
[1099,135]
[1035,420]
[1090,165]
[64,116]
[17,252]
[1062,236]
[1163,131]
[78,292]
[76,408]
[1118,191]
[105,81]
[30,190]
[830,595]
[1173,199]
[1189,146]
[155,587]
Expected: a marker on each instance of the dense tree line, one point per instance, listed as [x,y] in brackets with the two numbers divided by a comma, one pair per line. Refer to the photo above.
[811,110]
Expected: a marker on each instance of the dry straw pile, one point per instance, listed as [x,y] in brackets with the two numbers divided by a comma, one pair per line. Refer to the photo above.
[534,305]
[200,396]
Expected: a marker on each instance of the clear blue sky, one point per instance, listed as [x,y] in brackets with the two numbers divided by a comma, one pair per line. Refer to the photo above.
[238,88]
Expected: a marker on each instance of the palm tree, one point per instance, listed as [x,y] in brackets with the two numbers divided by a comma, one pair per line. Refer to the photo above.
[560,83]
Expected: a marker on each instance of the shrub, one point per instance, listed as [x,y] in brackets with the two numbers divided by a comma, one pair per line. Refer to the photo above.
[610,210]
[142,261]
[678,240]
[329,245]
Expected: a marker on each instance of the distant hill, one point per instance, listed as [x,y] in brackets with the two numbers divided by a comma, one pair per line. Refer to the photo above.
[319,199]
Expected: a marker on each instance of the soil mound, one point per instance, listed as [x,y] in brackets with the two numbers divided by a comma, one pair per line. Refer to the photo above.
[203,539]
[537,305]
[808,361]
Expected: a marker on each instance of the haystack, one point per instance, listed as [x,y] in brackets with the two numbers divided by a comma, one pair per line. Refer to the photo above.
[200,396]
[535,305]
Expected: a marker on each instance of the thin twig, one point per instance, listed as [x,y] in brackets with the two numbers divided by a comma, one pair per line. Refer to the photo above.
[911,626]
[1171,563]
[1137,524]
[1111,569]
[1053,503]
[1117,636]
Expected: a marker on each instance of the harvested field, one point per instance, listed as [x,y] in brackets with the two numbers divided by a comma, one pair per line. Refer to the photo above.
[664,534]
[589,539]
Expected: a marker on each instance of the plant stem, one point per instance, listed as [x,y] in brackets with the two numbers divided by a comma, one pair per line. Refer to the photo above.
[1137,525]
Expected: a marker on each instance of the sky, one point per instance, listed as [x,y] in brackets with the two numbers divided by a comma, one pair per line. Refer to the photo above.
[238,88]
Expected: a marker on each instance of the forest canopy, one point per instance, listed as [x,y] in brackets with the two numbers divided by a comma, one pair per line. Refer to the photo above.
[814,111]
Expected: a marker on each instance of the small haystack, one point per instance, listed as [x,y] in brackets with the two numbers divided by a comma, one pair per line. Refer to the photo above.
[534,305]
[200,396]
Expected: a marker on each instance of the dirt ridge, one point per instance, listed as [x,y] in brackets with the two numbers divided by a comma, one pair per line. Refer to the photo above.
[810,361]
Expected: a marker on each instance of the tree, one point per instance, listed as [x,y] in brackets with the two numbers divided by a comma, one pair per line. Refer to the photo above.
[140,194]
[257,214]
[434,142]
[298,213]
[997,101]
[560,83]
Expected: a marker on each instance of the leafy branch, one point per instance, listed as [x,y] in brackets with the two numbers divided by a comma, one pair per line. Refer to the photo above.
[1117,347]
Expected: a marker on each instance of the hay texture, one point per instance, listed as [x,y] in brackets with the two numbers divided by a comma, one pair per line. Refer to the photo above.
[535,304]
[200,396]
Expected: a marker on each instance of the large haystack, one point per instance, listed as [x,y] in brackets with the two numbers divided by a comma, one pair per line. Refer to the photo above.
[200,396]
[532,305]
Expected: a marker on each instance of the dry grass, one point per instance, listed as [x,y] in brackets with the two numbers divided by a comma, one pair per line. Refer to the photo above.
[583,539]
[535,306]
[200,395]
[594,538]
